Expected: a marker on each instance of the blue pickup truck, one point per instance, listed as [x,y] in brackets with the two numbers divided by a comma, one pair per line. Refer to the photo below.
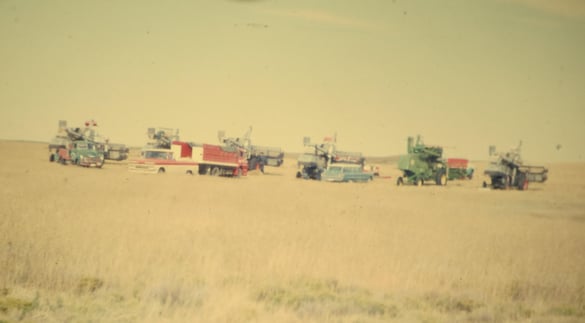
[346,173]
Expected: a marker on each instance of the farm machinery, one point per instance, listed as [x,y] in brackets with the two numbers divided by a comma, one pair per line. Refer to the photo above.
[459,168]
[66,136]
[257,156]
[421,164]
[313,163]
[506,170]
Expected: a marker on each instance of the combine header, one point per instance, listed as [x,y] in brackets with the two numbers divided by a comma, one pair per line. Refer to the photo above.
[313,163]
[257,156]
[161,137]
[421,164]
[506,170]
[66,136]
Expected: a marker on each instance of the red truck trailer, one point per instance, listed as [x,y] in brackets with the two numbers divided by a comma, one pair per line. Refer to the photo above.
[219,160]
[458,168]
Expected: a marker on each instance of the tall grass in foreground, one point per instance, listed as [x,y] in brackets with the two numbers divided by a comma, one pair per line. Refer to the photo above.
[174,249]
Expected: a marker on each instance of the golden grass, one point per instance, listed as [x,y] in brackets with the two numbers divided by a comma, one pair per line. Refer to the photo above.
[104,245]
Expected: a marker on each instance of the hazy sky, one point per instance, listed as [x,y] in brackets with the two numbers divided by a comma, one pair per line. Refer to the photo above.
[463,74]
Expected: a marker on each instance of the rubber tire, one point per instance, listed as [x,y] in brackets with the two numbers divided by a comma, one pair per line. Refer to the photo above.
[400,181]
[161,171]
[441,179]
[215,171]
[419,182]
[522,182]
[506,180]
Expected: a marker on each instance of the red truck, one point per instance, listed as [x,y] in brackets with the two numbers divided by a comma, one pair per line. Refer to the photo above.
[186,157]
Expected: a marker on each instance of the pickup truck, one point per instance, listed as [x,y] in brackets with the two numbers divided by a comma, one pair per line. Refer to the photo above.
[346,173]
[79,152]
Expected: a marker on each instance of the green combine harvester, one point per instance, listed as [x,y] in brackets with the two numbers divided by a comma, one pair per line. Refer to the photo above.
[422,164]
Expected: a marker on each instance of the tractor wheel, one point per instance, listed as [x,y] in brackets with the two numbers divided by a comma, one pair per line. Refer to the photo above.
[399,181]
[441,179]
[524,185]
[215,171]
[506,180]
[522,182]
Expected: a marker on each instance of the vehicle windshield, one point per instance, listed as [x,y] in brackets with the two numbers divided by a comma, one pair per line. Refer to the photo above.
[335,170]
[156,154]
[84,145]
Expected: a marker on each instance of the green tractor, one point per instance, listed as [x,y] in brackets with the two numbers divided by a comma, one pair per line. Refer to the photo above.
[422,164]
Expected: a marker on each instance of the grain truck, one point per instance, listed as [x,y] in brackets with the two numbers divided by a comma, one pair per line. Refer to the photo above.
[67,135]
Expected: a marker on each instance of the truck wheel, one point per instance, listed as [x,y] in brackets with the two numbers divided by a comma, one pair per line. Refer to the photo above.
[215,171]
[484,185]
[399,181]
[299,175]
[419,182]
[52,158]
[161,170]
[203,170]
[189,172]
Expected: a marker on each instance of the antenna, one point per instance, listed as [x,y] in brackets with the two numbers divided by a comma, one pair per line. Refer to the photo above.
[492,150]
[221,135]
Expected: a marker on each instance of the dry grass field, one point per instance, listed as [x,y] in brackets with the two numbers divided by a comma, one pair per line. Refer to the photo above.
[106,245]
